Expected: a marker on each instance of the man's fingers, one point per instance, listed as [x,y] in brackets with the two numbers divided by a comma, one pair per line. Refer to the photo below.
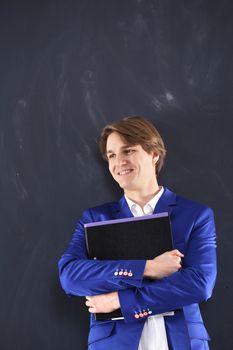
[91,310]
[177,253]
[89,302]
[179,260]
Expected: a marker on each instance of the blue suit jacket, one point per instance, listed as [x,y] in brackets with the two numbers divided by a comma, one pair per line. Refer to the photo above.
[193,232]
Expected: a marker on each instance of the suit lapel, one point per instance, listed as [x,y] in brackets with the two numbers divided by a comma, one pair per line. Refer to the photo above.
[166,202]
[122,210]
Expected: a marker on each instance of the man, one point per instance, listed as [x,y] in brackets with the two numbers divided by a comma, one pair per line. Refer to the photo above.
[176,280]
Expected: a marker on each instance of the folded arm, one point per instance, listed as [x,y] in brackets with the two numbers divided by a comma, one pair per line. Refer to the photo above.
[166,289]
[161,266]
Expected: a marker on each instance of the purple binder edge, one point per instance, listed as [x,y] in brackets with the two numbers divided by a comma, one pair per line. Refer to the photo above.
[115,221]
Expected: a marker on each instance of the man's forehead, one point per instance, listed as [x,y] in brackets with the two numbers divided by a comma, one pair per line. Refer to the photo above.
[117,141]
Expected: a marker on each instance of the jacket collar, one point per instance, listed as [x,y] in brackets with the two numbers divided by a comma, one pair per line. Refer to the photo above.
[165,204]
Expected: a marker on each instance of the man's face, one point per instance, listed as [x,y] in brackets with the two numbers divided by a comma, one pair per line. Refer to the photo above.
[131,166]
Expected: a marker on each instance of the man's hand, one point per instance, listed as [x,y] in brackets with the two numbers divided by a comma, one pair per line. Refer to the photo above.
[103,302]
[163,265]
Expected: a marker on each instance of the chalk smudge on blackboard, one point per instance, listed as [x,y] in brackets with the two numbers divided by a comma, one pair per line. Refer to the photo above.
[19,119]
[91,97]
[18,184]
[223,185]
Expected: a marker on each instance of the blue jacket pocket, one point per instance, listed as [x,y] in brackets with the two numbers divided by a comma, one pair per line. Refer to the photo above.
[100,331]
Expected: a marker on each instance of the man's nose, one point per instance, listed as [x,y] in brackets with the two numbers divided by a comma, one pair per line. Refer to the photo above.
[121,160]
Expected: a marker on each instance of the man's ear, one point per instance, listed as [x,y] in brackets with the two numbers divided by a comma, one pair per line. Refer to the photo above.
[155,158]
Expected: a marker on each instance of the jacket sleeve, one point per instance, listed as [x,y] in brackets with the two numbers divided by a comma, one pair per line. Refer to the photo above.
[82,276]
[192,284]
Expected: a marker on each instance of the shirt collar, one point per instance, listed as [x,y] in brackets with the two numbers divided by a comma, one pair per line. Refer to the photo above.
[149,208]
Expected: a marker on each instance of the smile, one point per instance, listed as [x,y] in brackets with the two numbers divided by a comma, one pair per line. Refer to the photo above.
[125,172]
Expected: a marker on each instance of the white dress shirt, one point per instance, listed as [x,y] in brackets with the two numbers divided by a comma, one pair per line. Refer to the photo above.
[154,335]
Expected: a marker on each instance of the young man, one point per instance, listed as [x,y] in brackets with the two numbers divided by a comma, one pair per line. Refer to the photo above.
[176,280]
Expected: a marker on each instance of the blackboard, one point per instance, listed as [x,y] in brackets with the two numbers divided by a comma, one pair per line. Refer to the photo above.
[66,69]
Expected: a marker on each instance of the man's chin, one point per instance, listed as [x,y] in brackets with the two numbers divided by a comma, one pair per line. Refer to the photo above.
[126,187]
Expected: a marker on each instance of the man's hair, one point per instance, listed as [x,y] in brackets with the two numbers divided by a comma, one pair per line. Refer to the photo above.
[136,131]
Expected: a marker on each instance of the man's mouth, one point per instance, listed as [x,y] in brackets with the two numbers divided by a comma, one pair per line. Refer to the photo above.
[124,172]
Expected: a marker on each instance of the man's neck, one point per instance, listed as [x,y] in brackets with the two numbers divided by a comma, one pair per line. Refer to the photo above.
[142,197]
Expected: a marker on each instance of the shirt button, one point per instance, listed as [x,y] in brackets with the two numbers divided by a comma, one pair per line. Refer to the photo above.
[130,274]
[136,315]
[141,314]
[121,273]
[125,273]
[116,273]
[148,209]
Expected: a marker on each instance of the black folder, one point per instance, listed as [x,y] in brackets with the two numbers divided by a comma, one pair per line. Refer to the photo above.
[135,238]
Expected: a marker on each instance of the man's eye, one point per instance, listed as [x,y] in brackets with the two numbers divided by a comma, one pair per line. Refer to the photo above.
[129,151]
[111,156]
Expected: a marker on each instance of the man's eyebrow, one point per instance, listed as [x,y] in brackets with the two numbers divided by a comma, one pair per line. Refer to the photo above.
[123,147]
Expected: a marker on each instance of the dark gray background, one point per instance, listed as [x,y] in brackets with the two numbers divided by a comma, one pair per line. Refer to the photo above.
[66,69]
